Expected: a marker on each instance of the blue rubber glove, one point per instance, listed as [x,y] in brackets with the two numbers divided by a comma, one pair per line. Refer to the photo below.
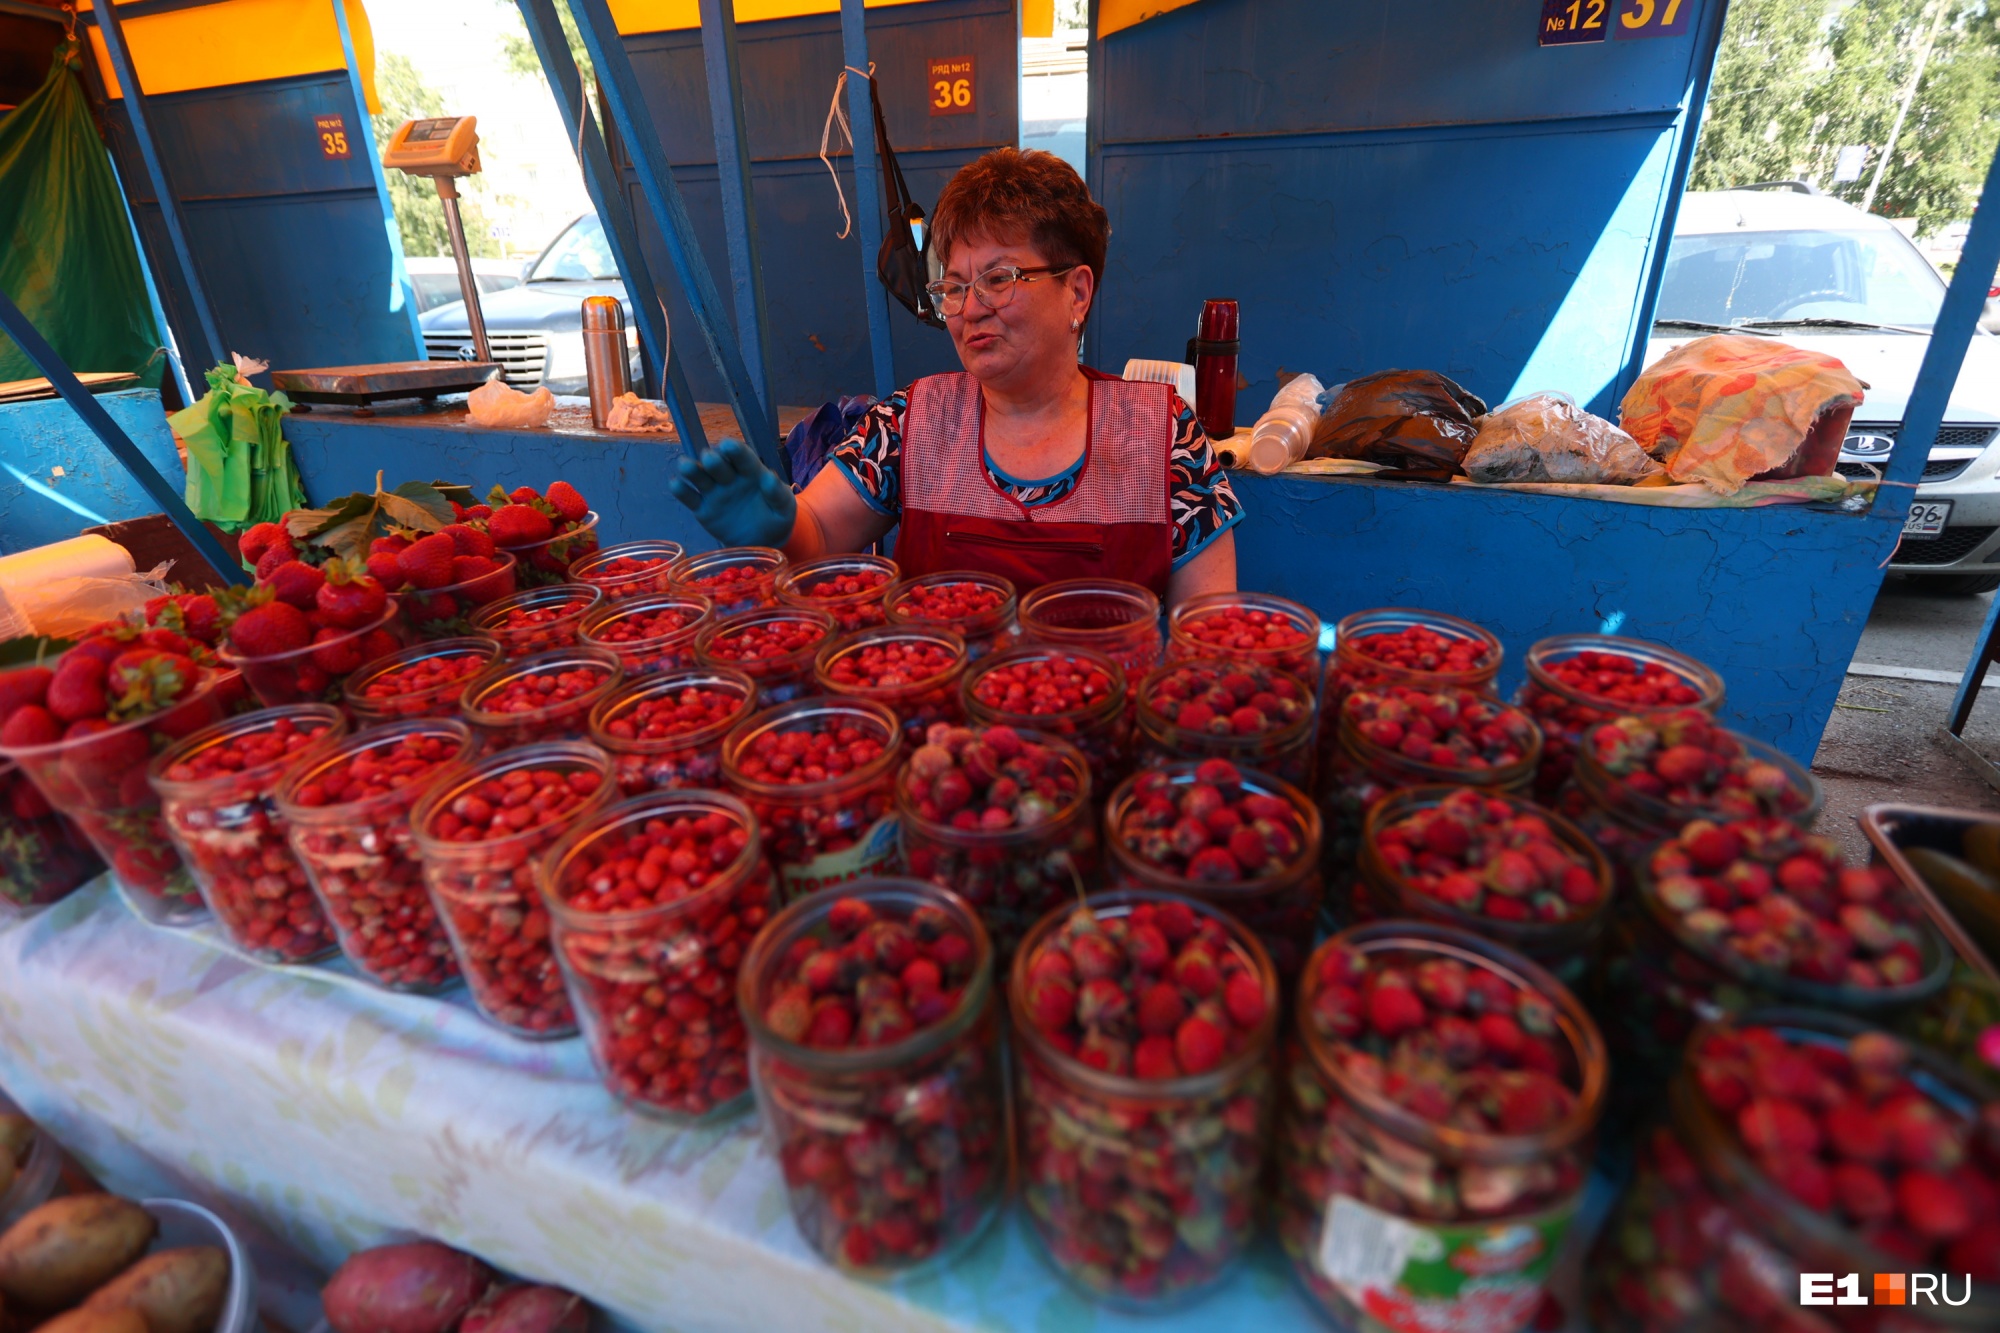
[733,495]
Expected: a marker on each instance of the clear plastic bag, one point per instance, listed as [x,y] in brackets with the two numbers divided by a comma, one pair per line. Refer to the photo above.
[496,405]
[1546,437]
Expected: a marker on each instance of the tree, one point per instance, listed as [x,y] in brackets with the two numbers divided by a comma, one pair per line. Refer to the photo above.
[1767,73]
[519,52]
[419,212]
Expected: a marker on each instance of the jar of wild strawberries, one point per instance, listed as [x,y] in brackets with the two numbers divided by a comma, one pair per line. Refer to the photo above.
[1800,1146]
[349,815]
[215,794]
[1245,712]
[774,646]
[1401,646]
[912,670]
[480,835]
[1577,680]
[1242,841]
[1251,627]
[629,569]
[1002,816]
[977,607]
[654,903]
[1143,1029]
[1436,1138]
[650,634]
[819,774]
[1495,865]
[420,681]
[850,588]
[875,1051]
[1077,694]
[1119,619]
[735,578]
[547,697]
[537,620]
[666,731]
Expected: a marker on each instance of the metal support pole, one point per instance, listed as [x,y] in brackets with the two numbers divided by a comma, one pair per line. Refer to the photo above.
[109,24]
[468,286]
[29,340]
[627,106]
[867,191]
[739,204]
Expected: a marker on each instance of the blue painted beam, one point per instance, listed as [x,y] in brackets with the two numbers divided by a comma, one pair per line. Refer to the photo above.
[739,204]
[364,134]
[867,191]
[627,106]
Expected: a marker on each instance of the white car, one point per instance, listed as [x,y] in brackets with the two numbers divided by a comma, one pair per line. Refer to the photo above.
[1823,275]
[435,278]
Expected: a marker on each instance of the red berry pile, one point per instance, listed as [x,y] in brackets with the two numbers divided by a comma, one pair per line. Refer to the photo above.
[1765,893]
[645,626]
[549,530]
[915,672]
[520,800]
[337,610]
[1684,759]
[1042,683]
[819,775]
[637,569]
[651,635]
[1420,649]
[949,603]
[1569,695]
[850,592]
[806,756]
[1216,699]
[1451,728]
[538,621]
[736,578]
[765,639]
[441,577]
[427,685]
[1491,857]
[989,779]
[531,691]
[774,647]
[872,981]
[1614,678]
[1247,632]
[1215,829]
[666,731]
[101,682]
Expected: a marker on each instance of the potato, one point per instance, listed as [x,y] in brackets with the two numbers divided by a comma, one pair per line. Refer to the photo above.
[178,1291]
[96,1321]
[68,1248]
[418,1287]
[16,1133]
[522,1308]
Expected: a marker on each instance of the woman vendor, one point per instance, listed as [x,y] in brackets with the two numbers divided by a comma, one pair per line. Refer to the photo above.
[1025,463]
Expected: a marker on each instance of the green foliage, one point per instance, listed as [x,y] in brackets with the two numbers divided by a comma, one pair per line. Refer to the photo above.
[519,52]
[419,211]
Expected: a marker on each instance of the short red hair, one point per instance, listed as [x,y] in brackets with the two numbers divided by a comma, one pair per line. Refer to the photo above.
[1032,195]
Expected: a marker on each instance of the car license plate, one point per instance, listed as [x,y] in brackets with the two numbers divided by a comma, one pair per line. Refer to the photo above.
[1926,518]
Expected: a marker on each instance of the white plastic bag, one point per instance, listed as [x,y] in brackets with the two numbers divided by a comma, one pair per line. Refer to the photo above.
[1545,437]
[632,414]
[495,404]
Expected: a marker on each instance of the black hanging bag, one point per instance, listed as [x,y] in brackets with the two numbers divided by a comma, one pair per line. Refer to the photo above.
[900,263]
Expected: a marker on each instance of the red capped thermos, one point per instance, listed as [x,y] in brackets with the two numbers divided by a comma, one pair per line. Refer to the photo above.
[1212,353]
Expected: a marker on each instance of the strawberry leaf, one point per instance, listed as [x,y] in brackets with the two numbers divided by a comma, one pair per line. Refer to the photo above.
[497,497]
[348,526]
[453,491]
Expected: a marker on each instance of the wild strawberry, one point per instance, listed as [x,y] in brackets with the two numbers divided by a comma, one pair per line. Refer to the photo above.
[1526,1102]
[568,503]
[270,629]
[518,525]
[1052,1002]
[1855,1132]
[1802,1176]
[30,724]
[76,691]
[1932,1205]
[297,583]
[1394,1010]
[1442,983]
[350,599]
[427,563]
[1774,1126]
[1198,1043]
[469,541]
[1153,1058]
[1862,1193]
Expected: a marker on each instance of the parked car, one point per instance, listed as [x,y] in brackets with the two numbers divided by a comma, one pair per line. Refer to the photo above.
[435,278]
[1823,275]
[535,330]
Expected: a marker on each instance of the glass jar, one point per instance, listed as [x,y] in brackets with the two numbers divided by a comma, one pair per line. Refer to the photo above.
[819,775]
[977,607]
[850,588]
[652,634]
[1566,710]
[1396,645]
[1119,619]
[774,646]
[1214,708]
[547,697]
[443,613]
[1394,1206]
[1143,1191]
[482,876]
[1077,694]
[43,858]
[548,561]
[1709,1239]
[349,816]
[424,680]
[735,578]
[215,795]
[1253,627]
[537,620]
[914,671]
[1548,920]
[665,732]
[629,569]
[654,903]
[1012,875]
[894,1153]
[1278,899]
[99,782]
[317,672]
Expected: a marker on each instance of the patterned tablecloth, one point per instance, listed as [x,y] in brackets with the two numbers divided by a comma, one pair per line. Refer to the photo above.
[320,1115]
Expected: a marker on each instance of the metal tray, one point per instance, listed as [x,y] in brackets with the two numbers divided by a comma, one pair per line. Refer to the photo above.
[361,385]
[1891,828]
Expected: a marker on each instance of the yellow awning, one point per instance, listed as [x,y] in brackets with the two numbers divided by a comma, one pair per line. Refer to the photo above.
[637,16]
[239,41]
[1038,18]
[1115,15]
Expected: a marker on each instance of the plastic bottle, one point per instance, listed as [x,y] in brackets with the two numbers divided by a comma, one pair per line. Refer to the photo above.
[1281,435]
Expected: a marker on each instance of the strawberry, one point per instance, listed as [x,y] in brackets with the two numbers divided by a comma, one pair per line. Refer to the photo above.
[466,568]
[262,537]
[296,582]
[470,541]
[427,564]
[524,495]
[201,618]
[76,691]
[568,503]
[350,599]
[30,724]
[339,651]
[476,513]
[100,644]
[386,569]
[393,544]
[147,680]
[108,761]
[1932,1205]
[270,629]
[271,559]
[1775,1126]
[23,686]
[518,525]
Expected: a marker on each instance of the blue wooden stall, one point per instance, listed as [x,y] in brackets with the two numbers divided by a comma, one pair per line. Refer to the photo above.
[57,478]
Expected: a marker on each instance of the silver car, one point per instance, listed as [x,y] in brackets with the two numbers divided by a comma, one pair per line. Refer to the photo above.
[1823,275]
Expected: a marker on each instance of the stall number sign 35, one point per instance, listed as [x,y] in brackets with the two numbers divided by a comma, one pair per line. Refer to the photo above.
[332,136]
[1567,22]
[951,86]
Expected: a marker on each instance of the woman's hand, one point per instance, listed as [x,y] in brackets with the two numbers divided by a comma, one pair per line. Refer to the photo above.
[735,497]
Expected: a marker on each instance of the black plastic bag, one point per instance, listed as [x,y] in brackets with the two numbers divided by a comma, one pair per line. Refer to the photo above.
[1416,423]
[900,263]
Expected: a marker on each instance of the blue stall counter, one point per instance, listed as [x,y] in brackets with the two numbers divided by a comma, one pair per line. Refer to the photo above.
[57,478]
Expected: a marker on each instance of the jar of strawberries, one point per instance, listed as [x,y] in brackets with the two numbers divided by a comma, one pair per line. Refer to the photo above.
[1250,627]
[1436,1137]
[539,620]
[1077,694]
[666,731]
[215,794]
[912,670]
[1400,646]
[650,634]
[978,607]
[629,569]
[819,774]
[480,835]
[1804,1152]
[1119,619]
[735,578]
[43,857]
[1214,708]
[1577,680]
[875,1050]
[348,812]
[1143,1027]
[774,646]
[547,697]
[420,681]
[1003,817]
[850,588]
[654,904]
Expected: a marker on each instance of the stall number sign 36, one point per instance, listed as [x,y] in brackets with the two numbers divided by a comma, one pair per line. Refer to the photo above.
[951,86]
[1566,22]
[332,136]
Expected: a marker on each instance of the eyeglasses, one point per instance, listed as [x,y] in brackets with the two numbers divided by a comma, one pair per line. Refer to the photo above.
[995,286]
